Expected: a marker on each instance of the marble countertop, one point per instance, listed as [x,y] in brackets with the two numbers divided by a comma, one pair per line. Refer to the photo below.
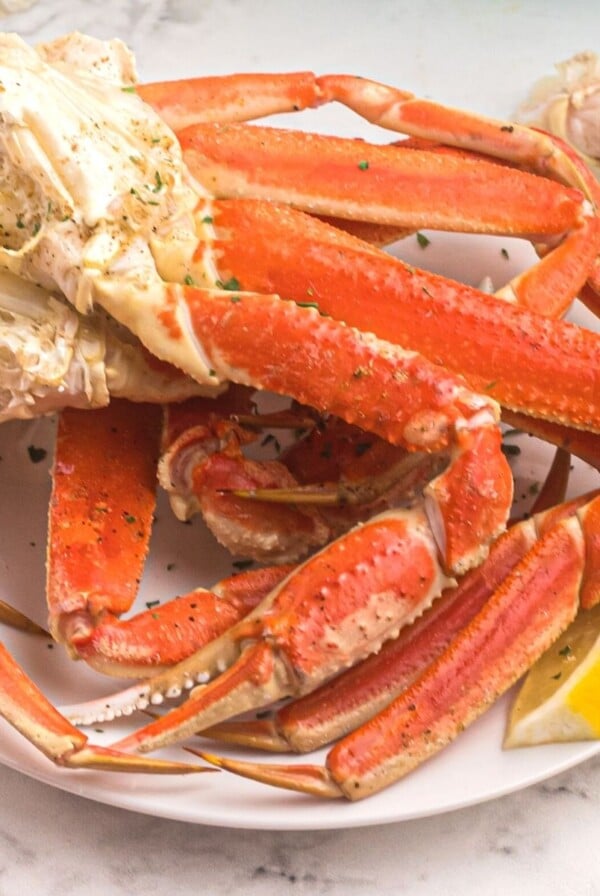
[537,840]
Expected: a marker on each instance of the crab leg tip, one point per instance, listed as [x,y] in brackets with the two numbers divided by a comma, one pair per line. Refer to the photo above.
[13,617]
[108,759]
[311,779]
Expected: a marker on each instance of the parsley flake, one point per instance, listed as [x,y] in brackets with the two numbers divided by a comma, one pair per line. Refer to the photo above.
[233,284]
[314,305]
[422,240]
[242,564]
[36,454]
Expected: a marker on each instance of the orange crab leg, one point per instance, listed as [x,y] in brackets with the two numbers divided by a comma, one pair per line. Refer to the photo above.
[162,636]
[523,617]
[24,706]
[328,480]
[331,612]
[505,351]
[353,697]
[100,521]
[202,464]
[229,97]
[101,508]
[585,445]
[409,188]
[101,512]
[245,97]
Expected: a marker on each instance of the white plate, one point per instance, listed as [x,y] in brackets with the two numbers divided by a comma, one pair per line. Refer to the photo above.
[473,769]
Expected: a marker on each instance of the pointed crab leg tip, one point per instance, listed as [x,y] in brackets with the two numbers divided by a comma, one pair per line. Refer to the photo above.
[112,760]
[298,495]
[311,779]
[13,617]
[260,734]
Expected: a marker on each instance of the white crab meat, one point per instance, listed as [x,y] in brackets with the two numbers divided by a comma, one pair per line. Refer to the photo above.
[95,200]
[52,357]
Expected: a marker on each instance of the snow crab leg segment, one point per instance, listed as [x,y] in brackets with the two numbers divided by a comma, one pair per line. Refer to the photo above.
[26,709]
[158,638]
[243,97]
[101,509]
[409,188]
[202,467]
[523,617]
[332,477]
[267,343]
[398,110]
[332,612]
[581,443]
[240,97]
[356,695]
[502,350]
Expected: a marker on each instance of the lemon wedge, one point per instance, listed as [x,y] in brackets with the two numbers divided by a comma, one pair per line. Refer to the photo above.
[560,697]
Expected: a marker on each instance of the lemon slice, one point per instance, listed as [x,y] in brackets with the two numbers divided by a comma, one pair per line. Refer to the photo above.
[560,697]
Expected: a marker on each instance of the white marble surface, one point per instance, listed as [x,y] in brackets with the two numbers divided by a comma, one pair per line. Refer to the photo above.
[480,55]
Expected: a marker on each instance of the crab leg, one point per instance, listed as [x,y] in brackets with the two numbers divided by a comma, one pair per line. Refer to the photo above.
[202,464]
[226,156]
[503,350]
[404,399]
[523,617]
[27,710]
[101,512]
[354,696]
[242,97]
[100,519]
[160,637]
[583,444]
[327,481]
[390,185]
[409,188]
